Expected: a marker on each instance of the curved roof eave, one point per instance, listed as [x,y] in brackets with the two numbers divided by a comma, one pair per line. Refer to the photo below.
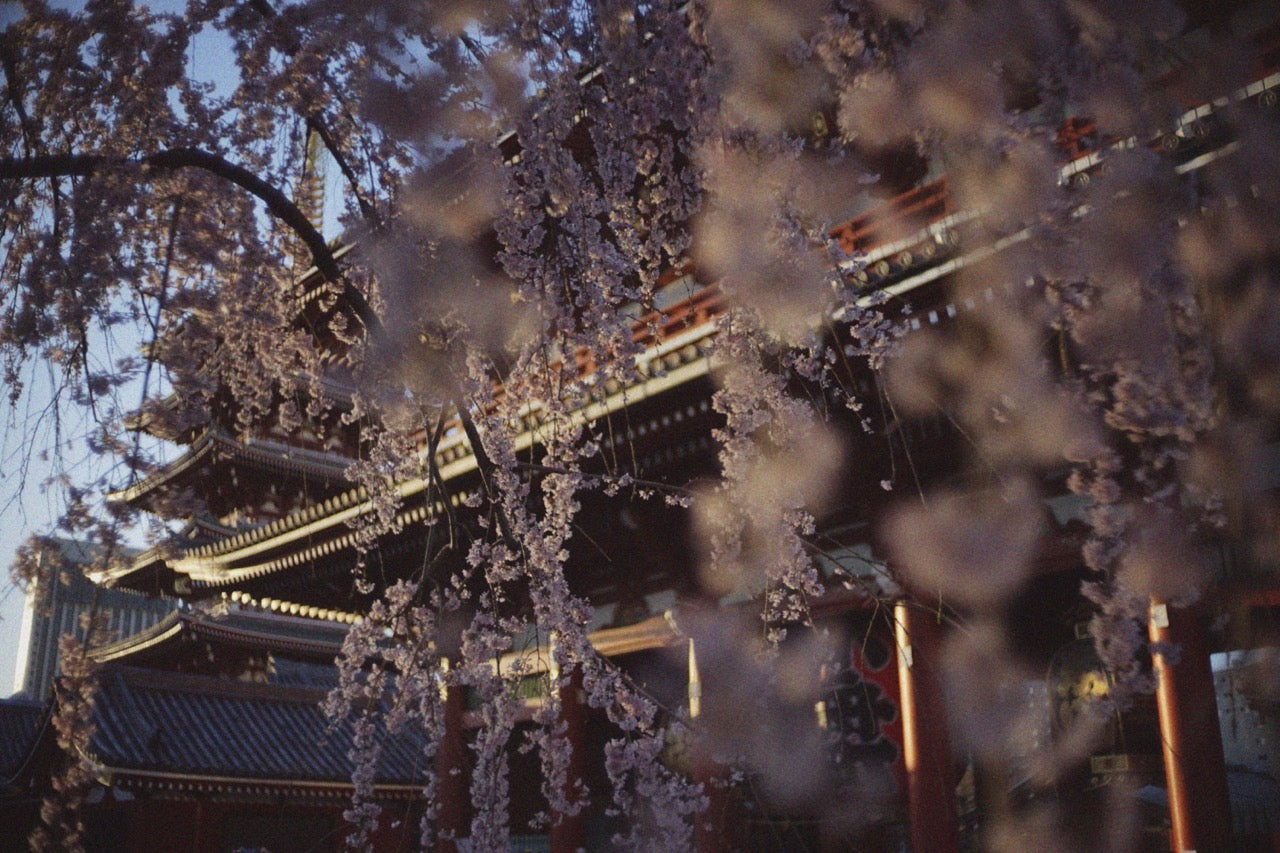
[262,452]
[224,562]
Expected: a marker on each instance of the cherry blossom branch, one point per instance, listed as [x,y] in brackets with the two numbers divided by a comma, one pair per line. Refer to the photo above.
[620,479]
[30,137]
[436,480]
[487,474]
[86,165]
[315,123]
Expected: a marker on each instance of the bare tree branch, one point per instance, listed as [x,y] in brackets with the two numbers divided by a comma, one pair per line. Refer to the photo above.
[279,204]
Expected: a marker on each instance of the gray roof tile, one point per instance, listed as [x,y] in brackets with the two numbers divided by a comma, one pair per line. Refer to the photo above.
[149,720]
[20,721]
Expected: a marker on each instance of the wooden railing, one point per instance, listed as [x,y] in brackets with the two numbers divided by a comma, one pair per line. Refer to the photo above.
[911,211]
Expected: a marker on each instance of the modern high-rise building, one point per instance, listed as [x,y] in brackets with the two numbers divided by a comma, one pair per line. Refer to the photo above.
[60,609]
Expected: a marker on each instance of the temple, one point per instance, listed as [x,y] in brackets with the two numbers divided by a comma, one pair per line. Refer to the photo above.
[214,711]
[209,735]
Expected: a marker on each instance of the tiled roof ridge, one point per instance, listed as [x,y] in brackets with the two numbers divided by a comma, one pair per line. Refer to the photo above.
[281,611]
[171,625]
[322,462]
[180,784]
[282,642]
[272,633]
[272,454]
[195,452]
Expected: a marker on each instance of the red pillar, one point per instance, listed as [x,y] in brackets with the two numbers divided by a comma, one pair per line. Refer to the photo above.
[710,826]
[568,832]
[1186,702]
[926,745]
[452,794]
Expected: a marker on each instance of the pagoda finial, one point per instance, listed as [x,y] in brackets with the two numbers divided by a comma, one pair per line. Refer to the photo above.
[309,196]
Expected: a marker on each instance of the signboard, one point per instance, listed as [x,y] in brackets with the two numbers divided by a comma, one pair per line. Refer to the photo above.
[859,708]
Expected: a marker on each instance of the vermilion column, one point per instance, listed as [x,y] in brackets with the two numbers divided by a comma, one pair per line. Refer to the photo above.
[926,745]
[710,827]
[568,832]
[451,770]
[1186,701]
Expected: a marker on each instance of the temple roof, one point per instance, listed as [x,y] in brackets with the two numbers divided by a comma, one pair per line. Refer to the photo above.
[324,527]
[317,638]
[194,732]
[259,733]
[216,447]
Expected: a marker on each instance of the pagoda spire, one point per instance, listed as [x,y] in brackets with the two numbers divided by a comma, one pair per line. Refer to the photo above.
[309,195]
